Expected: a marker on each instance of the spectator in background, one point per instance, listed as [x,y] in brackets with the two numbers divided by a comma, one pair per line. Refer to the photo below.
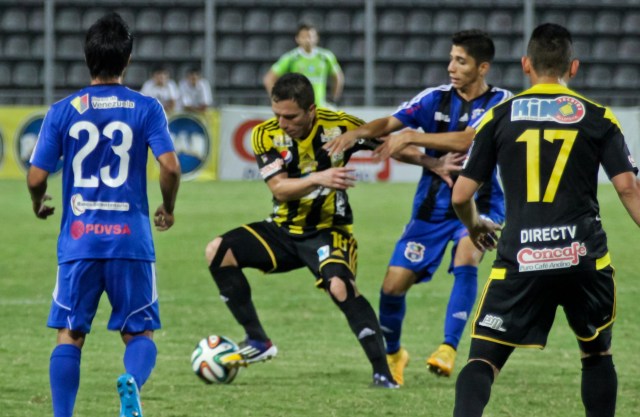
[163,88]
[195,91]
[317,64]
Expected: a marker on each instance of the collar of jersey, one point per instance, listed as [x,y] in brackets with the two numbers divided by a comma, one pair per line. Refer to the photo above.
[549,89]
[311,54]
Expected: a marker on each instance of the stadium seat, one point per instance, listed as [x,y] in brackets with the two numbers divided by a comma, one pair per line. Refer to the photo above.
[582,48]
[256,21]
[445,21]
[197,47]
[383,75]
[127,14]
[391,48]
[337,21]
[221,76]
[608,22]
[513,78]
[136,75]
[37,47]
[91,15]
[230,47]
[281,44]
[580,22]
[5,74]
[66,19]
[196,23]
[631,23]
[473,20]
[354,75]
[70,47]
[553,16]
[604,49]
[598,76]
[149,20]
[434,75]
[78,75]
[503,46]
[391,21]
[494,77]
[500,22]
[419,22]
[629,48]
[357,21]
[14,20]
[257,46]
[408,75]
[36,20]
[340,46]
[230,20]
[16,46]
[177,46]
[149,47]
[284,21]
[417,48]
[176,21]
[244,75]
[314,18]
[441,48]
[357,49]
[25,74]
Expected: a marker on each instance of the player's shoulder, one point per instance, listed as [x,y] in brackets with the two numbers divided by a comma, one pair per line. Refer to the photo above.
[426,96]
[324,51]
[328,117]
[501,93]
[268,126]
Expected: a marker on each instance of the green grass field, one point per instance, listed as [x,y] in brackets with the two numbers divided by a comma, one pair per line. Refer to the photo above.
[320,370]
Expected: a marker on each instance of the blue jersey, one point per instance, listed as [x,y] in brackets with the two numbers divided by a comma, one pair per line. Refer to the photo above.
[103,133]
[441,109]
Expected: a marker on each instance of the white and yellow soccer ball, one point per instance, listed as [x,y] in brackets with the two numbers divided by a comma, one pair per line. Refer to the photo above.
[205,360]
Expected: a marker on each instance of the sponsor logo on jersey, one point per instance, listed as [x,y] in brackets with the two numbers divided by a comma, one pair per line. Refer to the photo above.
[323,253]
[282,141]
[270,169]
[414,251]
[113,102]
[81,104]
[475,114]
[79,229]
[287,156]
[26,139]
[548,234]
[531,259]
[564,109]
[307,164]
[493,322]
[329,134]
[191,140]
[79,206]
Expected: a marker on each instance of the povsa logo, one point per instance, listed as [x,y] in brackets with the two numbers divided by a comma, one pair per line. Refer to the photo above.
[79,229]
[26,139]
[191,140]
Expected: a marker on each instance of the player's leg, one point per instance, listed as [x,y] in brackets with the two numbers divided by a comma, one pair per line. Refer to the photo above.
[473,386]
[255,246]
[599,387]
[75,302]
[392,310]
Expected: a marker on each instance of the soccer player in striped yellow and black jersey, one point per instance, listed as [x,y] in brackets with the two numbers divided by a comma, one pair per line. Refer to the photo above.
[310,225]
[548,142]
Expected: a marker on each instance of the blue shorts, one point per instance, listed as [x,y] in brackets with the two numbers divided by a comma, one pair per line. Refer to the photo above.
[130,286]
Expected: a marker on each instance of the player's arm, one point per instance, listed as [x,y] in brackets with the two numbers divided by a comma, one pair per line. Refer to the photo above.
[269,80]
[285,189]
[628,188]
[337,85]
[37,184]
[481,231]
[447,164]
[169,184]
[444,142]
[374,129]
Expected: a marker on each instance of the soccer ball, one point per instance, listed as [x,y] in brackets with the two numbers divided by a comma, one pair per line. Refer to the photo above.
[205,360]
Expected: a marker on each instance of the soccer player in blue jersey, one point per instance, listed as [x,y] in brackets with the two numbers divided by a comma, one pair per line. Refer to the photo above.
[103,133]
[444,114]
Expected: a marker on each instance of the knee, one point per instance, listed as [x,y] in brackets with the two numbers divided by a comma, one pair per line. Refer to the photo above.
[397,282]
[212,249]
[340,289]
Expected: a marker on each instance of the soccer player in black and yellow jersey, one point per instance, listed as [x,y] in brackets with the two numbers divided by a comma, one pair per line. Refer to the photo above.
[548,142]
[310,225]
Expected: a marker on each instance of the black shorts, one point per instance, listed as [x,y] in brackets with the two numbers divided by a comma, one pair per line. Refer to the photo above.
[518,309]
[265,246]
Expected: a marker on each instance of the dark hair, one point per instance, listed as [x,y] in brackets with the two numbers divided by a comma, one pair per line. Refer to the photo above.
[477,43]
[305,26]
[107,47]
[295,87]
[550,50]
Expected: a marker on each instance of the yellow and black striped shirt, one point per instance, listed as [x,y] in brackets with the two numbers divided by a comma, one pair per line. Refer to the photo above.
[276,152]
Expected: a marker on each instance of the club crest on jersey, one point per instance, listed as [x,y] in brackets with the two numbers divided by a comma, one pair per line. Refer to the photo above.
[191,140]
[564,109]
[282,141]
[329,134]
[81,104]
[414,251]
[26,139]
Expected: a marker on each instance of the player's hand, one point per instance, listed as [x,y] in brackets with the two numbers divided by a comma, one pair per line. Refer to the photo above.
[448,164]
[392,144]
[338,178]
[41,210]
[162,219]
[484,235]
[341,143]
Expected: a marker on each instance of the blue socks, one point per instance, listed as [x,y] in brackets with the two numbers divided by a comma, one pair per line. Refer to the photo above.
[140,358]
[392,311]
[463,296]
[64,378]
